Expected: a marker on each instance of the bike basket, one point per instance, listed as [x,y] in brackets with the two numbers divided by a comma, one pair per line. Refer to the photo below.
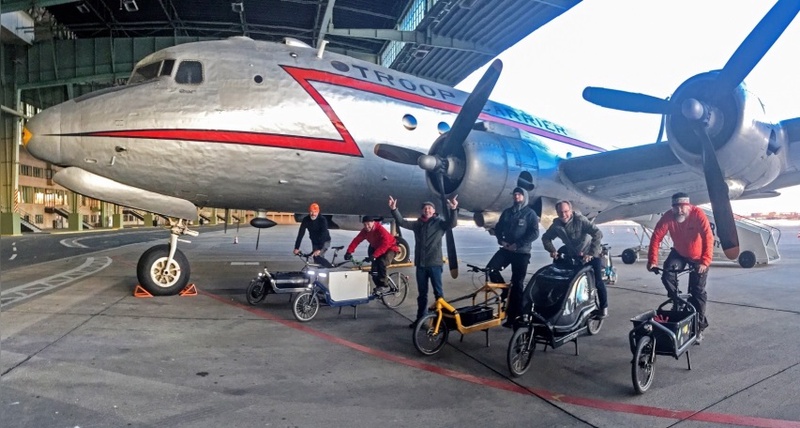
[678,322]
[470,315]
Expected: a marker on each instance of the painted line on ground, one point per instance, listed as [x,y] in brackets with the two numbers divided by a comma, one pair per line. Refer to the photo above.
[26,291]
[693,415]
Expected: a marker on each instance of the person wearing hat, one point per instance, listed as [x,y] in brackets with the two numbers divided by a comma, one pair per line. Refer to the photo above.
[517,228]
[582,239]
[383,248]
[428,229]
[692,242]
[317,228]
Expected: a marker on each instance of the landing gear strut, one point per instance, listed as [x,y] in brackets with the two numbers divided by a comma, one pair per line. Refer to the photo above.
[163,270]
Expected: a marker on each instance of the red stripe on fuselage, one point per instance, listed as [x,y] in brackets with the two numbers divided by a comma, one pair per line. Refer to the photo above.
[347,145]
[349,148]
[304,75]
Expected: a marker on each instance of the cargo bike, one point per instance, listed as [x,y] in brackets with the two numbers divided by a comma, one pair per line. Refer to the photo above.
[671,329]
[560,304]
[347,287]
[486,309]
[285,282]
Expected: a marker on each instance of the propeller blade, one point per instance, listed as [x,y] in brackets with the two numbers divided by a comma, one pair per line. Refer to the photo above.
[472,108]
[397,154]
[452,257]
[756,45]
[627,101]
[718,195]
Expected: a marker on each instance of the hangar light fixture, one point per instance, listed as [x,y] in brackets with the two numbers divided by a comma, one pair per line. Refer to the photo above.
[130,5]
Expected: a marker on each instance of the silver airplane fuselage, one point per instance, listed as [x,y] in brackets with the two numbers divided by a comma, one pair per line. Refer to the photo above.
[273,127]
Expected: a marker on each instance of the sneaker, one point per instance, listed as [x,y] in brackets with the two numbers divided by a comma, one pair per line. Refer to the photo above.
[601,313]
[381,290]
[699,338]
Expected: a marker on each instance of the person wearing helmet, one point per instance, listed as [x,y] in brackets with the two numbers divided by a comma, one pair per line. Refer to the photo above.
[317,228]
[382,249]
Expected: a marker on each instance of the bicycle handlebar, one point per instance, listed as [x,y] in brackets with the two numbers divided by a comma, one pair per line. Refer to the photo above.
[473,268]
[689,268]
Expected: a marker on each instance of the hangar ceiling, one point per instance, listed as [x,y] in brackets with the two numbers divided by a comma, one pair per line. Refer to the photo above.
[440,40]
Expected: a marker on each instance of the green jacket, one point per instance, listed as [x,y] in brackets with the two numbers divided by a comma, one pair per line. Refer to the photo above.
[427,237]
[579,235]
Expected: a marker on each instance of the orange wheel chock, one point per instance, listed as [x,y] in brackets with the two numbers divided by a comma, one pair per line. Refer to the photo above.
[139,291]
[190,290]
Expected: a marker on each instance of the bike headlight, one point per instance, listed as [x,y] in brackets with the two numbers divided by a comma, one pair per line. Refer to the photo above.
[323,275]
[311,273]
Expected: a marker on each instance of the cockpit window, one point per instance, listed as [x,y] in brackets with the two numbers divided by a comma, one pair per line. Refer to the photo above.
[166,70]
[189,72]
[145,72]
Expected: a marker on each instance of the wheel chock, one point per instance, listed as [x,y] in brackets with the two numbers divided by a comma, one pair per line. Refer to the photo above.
[190,290]
[139,291]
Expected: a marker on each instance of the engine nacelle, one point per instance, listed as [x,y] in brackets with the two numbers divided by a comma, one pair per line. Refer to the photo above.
[493,165]
[748,148]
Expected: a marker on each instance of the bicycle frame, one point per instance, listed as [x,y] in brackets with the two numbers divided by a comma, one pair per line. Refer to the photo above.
[491,297]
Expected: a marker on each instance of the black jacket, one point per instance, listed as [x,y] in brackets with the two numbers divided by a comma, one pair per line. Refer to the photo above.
[518,225]
[427,237]
[317,231]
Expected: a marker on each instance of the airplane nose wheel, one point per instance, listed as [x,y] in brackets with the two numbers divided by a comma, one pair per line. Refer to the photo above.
[159,277]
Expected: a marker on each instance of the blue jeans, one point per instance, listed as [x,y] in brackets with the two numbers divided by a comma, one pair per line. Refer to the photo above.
[434,274]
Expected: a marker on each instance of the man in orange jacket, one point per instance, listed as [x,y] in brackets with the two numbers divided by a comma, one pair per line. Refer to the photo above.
[693,242]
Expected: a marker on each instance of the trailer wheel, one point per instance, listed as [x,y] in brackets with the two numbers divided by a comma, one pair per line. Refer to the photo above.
[747,259]
[629,256]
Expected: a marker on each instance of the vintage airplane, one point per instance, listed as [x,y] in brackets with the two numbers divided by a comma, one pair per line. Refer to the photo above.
[244,124]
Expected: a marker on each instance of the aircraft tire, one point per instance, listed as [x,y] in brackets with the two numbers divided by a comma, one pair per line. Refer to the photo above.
[157,280]
[403,255]
[629,256]
[747,259]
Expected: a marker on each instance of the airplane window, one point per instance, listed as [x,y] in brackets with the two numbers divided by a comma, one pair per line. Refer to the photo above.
[145,72]
[189,72]
[258,78]
[443,127]
[410,122]
[166,70]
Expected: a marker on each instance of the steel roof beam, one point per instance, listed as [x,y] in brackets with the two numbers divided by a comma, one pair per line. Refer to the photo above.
[17,5]
[417,37]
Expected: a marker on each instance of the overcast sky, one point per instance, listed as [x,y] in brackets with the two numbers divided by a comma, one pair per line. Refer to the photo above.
[643,46]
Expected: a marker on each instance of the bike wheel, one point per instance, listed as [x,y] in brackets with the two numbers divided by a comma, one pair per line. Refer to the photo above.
[425,340]
[593,325]
[399,285]
[305,306]
[520,351]
[256,291]
[643,364]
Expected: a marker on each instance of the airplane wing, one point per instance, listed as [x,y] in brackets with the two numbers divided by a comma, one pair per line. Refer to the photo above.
[639,179]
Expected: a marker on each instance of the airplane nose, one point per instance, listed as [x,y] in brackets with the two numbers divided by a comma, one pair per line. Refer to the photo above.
[41,135]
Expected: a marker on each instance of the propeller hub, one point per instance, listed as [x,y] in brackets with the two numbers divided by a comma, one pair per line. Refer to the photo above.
[693,109]
[429,163]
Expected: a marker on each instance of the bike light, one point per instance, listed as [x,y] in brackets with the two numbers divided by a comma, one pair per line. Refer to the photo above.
[311,273]
[323,275]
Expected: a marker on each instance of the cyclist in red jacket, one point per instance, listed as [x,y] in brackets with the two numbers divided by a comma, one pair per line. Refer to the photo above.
[693,242]
[383,248]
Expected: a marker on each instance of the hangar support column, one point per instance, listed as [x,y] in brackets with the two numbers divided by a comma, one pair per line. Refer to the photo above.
[9,155]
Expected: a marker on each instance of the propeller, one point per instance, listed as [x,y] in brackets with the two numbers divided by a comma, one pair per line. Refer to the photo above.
[699,113]
[627,101]
[436,162]
[715,181]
